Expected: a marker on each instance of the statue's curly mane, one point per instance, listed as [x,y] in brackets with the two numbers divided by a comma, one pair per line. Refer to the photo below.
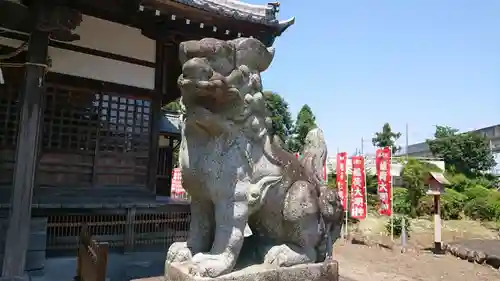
[234,170]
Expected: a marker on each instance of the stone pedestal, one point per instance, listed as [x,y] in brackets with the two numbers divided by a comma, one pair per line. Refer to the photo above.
[327,271]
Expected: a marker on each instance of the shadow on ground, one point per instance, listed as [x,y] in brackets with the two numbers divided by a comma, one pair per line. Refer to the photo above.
[121,267]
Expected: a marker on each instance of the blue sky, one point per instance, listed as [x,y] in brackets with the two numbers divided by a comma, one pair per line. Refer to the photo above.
[361,63]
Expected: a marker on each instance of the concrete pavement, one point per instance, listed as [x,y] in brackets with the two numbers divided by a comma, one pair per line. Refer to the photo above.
[121,267]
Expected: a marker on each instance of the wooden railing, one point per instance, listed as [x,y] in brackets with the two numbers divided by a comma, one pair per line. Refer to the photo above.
[130,229]
[92,258]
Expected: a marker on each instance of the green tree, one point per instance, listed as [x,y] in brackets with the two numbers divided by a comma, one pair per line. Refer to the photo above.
[174,106]
[305,122]
[414,174]
[282,124]
[387,138]
[467,153]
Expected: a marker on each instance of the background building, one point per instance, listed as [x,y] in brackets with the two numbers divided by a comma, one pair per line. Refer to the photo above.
[492,133]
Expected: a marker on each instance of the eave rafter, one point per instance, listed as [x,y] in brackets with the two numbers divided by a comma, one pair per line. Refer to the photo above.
[167,25]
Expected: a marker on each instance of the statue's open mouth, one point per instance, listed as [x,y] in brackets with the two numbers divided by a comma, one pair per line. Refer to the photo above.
[215,95]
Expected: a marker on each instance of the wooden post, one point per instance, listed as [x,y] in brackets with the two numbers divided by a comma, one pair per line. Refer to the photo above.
[156,115]
[437,224]
[169,163]
[27,150]
[130,231]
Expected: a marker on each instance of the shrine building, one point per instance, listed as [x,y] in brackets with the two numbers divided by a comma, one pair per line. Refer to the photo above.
[82,135]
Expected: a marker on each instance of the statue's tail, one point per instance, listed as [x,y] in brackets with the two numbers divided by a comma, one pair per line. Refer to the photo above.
[329,201]
[314,161]
[315,153]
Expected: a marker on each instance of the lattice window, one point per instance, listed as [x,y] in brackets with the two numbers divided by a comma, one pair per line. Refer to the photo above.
[124,123]
[10,109]
[9,115]
[71,120]
[94,138]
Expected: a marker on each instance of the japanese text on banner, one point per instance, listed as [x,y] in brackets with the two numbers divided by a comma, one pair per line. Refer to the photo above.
[383,165]
[358,188]
[341,172]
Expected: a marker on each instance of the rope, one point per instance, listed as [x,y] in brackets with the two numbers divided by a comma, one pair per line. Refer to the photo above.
[16,52]
[13,64]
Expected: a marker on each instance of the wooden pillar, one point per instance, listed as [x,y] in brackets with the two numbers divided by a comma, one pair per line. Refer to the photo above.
[28,139]
[156,115]
[169,163]
[172,91]
[437,224]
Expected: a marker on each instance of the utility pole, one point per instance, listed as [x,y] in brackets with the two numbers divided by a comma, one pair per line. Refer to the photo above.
[362,146]
[406,136]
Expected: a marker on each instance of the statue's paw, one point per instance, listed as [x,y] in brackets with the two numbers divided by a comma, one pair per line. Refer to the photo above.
[178,252]
[207,265]
[277,255]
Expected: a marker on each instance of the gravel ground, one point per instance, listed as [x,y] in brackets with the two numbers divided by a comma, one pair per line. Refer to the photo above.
[363,263]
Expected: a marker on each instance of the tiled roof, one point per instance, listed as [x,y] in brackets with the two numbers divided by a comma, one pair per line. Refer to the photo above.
[265,14]
[170,123]
[239,10]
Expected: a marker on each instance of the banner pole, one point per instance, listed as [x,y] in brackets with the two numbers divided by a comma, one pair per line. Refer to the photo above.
[346,191]
[364,187]
[391,201]
[346,234]
[392,212]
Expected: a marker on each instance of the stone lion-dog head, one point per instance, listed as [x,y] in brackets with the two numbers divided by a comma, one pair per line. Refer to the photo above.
[221,84]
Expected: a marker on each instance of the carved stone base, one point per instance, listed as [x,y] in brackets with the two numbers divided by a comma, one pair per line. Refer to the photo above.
[327,271]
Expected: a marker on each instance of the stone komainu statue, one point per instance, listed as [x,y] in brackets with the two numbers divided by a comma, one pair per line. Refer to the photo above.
[238,176]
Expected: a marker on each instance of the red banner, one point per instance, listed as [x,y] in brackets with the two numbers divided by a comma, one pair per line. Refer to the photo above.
[358,188]
[176,189]
[341,172]
[383,164]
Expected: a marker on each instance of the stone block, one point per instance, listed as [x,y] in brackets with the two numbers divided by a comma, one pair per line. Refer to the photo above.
[35,260]
[493,261]
[327,271]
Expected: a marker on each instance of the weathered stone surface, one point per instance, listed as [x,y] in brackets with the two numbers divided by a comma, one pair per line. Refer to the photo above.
[471,255]
[462,253]
[493,261]
[480,257]
[237,173]
[327,271]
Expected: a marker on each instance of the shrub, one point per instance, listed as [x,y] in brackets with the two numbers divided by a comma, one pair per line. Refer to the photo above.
[477,191]
[452,204]
[480,208]
[371,184]
[425,206]
[398,227]
[460,182]
[401,204]
[414,174]
[486,181]
[373,201]
[485,206]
